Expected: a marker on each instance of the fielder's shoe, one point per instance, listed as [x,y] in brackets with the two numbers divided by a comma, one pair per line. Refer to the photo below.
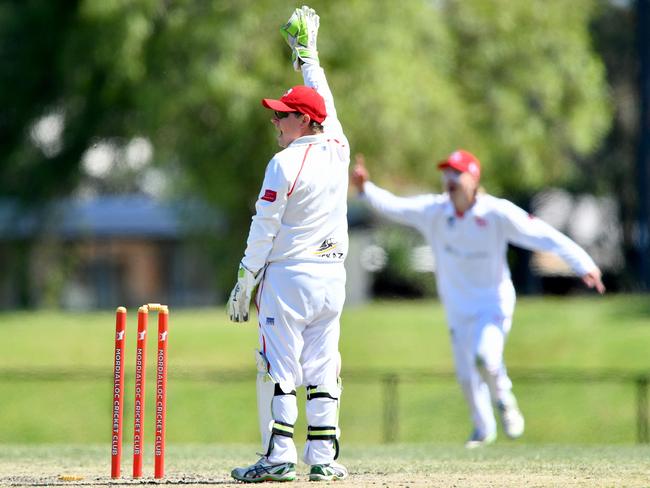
[479,440]
[511,419]
[262,470]
[328,472]
[301,33]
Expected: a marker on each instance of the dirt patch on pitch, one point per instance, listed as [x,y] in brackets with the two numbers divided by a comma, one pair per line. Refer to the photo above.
[379,467]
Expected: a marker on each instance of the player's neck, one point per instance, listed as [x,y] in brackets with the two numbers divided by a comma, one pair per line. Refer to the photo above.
[462,201]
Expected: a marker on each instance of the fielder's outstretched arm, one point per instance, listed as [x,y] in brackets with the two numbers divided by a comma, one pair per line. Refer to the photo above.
[408,211]
[529,232]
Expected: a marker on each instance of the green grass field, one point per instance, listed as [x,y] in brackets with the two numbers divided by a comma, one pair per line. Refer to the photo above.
[55,374]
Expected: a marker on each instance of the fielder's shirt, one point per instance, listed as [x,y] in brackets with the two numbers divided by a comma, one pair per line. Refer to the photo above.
[472,272]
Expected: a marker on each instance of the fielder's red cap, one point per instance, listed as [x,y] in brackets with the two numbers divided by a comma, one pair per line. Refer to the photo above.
[301,98]
[463,161]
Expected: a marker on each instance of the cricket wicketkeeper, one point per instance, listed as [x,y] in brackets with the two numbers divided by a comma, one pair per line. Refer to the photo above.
[469,233]
[297,243]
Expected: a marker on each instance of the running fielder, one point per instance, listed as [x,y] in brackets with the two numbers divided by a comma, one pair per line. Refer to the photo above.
[469,233]
[297,243]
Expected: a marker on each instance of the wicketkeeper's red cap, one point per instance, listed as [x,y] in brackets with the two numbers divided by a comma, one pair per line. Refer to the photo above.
[463,161]
[301,98]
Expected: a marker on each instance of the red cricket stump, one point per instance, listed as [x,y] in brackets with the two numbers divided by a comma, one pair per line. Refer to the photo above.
[161,393]
[140,391]
[118,392]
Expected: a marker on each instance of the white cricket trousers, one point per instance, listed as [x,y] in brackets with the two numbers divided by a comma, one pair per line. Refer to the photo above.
[299,310]
[478,342]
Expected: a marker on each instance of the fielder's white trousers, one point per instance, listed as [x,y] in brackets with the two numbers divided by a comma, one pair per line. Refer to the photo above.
[478,342]
[299,310]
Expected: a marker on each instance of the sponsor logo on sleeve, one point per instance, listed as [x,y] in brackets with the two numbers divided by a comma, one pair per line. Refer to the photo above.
[269,195]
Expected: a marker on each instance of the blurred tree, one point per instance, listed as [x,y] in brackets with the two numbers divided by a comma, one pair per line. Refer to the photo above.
[67,82]
[516,82]
[612,169]
[534,87]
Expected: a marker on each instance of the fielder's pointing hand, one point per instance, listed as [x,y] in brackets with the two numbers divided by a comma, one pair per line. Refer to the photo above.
[593,279]
[359,174]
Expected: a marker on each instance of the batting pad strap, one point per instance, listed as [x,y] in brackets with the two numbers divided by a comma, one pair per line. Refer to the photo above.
[282,428]
[321,392]
[321,433]
[279,391]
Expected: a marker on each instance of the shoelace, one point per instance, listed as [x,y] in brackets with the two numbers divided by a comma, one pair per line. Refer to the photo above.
[260,468]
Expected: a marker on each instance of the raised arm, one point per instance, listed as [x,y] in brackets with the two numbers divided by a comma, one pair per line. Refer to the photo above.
[301,33]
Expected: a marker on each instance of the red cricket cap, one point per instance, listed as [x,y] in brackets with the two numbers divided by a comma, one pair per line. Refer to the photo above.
[301,98]
[463,161]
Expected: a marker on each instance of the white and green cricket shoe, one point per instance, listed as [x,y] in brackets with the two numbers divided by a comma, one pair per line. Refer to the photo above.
[301,33]
[477,439]
[328,472]
[262,471]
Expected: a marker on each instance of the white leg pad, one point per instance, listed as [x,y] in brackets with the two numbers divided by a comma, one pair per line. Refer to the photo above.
[281,448]
[265,386]
[322,418]
[277,411]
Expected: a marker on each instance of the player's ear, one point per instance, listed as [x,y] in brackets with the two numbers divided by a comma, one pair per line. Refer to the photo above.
[306,119]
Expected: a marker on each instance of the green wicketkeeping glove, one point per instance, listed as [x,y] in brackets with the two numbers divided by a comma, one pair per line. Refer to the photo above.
[301,33]
[240,298]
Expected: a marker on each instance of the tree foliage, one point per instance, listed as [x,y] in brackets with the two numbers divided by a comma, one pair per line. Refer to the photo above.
[518,83]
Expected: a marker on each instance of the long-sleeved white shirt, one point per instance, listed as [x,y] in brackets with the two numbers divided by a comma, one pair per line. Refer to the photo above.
[472,270]
[301,211]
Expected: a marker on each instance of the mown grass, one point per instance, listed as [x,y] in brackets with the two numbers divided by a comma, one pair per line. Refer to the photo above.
[408,337]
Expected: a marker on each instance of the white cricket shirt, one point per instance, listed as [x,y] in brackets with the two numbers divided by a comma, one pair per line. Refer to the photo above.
[301,211]
[472,270]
